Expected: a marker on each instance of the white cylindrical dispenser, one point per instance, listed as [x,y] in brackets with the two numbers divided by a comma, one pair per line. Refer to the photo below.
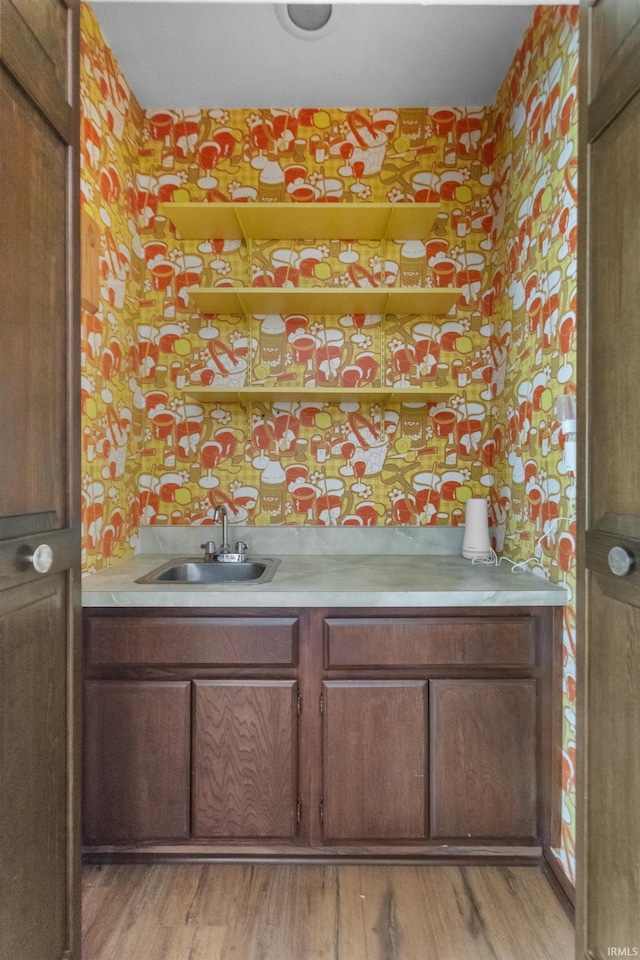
[476,544]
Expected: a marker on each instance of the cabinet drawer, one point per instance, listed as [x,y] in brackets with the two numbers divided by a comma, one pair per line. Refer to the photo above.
[424,641]
[191,641]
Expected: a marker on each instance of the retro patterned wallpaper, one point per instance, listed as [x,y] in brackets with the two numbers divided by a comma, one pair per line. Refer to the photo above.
[311,462]
[506,235]
[534,234]
[113,274]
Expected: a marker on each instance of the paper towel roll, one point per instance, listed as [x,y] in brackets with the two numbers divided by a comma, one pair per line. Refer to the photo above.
[476,544]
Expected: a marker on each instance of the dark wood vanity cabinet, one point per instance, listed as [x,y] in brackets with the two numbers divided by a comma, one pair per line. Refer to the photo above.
[321,732]
[190,727]
[451,756]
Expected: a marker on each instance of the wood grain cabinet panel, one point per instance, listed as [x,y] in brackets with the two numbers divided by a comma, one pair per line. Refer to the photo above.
[424,641]
[136,763]
[244,758]
[192,641]
[483,759]
[374,759]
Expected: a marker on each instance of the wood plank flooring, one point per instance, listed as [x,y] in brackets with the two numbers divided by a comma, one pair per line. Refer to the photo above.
[302,912]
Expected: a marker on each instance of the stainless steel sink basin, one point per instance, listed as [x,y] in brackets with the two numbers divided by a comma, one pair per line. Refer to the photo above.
[195,570]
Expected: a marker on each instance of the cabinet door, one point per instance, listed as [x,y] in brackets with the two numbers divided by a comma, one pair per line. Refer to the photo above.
[374,759]
[483,758]
[136,764]
[244,758]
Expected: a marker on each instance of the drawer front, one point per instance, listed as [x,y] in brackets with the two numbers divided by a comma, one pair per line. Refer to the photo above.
[190,641]
[424,641]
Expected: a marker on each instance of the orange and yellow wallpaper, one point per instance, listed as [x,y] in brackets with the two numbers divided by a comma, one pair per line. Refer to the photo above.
[112,286]
[534,234]
[505,178]
[307,461]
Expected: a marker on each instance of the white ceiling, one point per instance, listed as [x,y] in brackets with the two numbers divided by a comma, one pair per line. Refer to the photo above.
[210,54]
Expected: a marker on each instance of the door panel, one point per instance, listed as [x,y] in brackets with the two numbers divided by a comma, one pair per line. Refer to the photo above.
[613,22]
[615,333]
[39,47]
[47,24]
[608,871]
[33,761]
[245,758]
[374,759]
[33,360]
[483,758]
[615,715]
[39,481]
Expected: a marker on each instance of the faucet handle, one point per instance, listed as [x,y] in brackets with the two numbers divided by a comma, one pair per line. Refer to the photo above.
[241,547]
[209,546]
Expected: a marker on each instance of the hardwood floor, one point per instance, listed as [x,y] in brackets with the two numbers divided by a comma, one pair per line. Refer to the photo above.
[302,912]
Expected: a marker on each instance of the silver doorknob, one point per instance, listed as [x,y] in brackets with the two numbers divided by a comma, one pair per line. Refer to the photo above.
[621,561]
[42,558]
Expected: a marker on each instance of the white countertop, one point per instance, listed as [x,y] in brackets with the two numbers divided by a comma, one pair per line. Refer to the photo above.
[332,581]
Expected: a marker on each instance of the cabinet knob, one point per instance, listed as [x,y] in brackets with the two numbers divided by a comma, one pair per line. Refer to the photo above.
[42,558]
[621,561]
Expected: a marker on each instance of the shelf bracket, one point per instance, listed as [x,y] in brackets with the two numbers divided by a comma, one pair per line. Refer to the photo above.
[243,305]
[243,229]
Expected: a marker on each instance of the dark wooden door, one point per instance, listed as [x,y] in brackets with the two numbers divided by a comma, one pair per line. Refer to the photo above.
[137,760]
[483,759]
[39,481]
[374,763]
[244,761]
[608,868]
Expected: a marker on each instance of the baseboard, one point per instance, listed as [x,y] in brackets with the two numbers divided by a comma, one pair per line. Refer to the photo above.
[455,860]
[471,855]
[561,886]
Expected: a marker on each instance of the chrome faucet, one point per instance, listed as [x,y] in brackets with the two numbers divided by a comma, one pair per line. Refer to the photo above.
[217,512]
[224,553]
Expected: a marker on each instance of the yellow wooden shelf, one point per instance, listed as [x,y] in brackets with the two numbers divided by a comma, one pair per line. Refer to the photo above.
[331,394]
[333,301]
[295,221]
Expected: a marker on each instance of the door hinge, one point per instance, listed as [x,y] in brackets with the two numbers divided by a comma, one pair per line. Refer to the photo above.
[321,809]
[299,810]
[299,703]
[321,703]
